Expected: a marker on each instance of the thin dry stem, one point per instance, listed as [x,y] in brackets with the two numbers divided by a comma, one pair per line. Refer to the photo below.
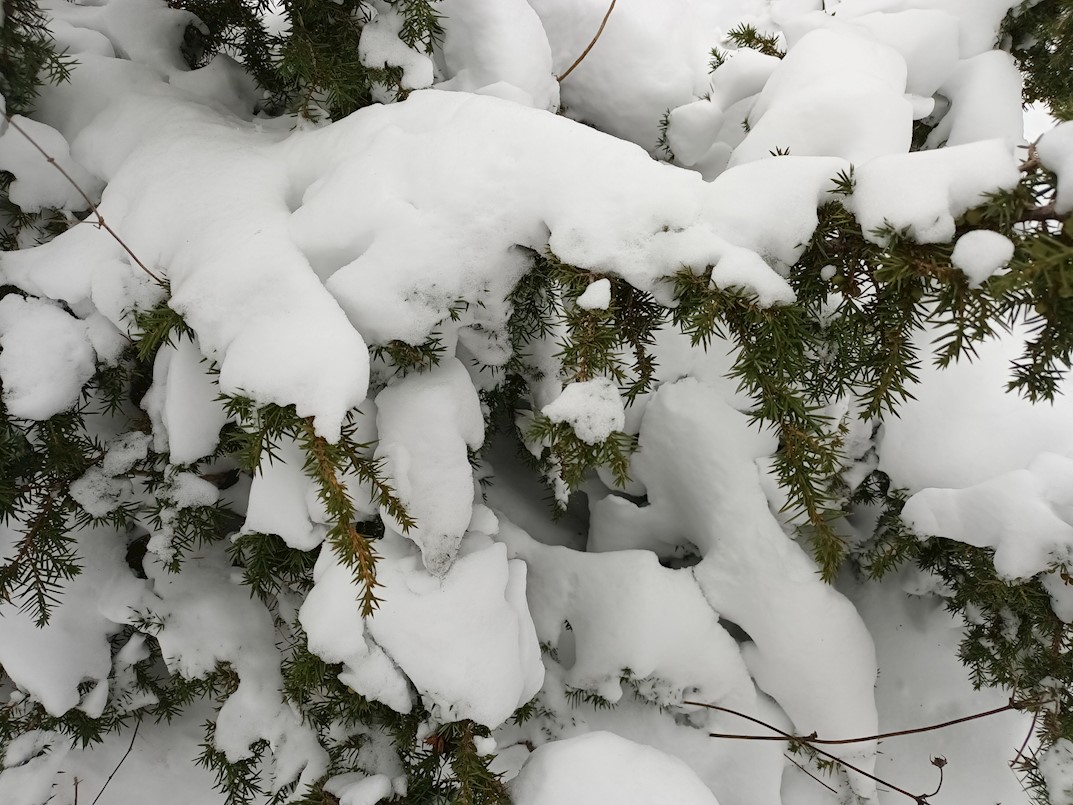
[85,196]
[585,52]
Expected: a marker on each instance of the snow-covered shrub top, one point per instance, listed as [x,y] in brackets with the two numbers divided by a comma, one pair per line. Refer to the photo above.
[348,310]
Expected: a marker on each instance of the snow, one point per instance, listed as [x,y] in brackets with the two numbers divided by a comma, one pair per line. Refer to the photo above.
[597,296]
[1056,766]
[49,662]
[380,46]
[696,460]
[427,424]
[207,617]
[278,498]
[981,253]
[985,97]
[30,762]
[935,441]
[926,38]
[1025,515]
[290,248]
[477,608]
[592,408]
[650,58]
[46,360]
[629,774]
[497,49]
[358,789]
[1055,151]
[737,268]
[978,20]
[922,192]
[779,228]
[191,413]
[38,184]
[834,94]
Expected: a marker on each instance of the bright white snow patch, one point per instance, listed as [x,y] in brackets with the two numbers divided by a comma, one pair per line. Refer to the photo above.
[597,296]
[358,789]
[31,761]
[46,359]
[38,184]
[981,253]
[50,662]
[593,408]
[381,47]
[478,608]
[497,49]
[278,498]
[924,191]
[697,460]
[1056,766]
[1025,515]
[835,94]
[600,768]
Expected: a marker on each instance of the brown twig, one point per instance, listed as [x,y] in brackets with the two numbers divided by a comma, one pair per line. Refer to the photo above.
[810,774]
[120,763]
[585,52]
[812,739]
[920,799]
[1044,213]
[85,196]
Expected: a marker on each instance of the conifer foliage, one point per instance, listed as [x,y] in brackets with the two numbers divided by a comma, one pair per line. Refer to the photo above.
[279,476]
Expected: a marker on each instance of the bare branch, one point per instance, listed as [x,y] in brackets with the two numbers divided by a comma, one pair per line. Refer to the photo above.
[100,218]
[585,52]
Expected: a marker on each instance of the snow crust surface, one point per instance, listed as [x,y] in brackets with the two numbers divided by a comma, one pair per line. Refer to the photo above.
[628,774]
[291,251]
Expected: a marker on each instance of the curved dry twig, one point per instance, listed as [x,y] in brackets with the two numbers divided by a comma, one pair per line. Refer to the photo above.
[585,52]
[920,799]
[85,196]
[122,760]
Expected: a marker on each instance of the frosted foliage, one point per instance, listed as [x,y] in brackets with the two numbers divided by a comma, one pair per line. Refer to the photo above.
[981,253]
[592,408]
[629,774]
[478,607]
[497,49]
[380,47]
[1055,151]
[50,662]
